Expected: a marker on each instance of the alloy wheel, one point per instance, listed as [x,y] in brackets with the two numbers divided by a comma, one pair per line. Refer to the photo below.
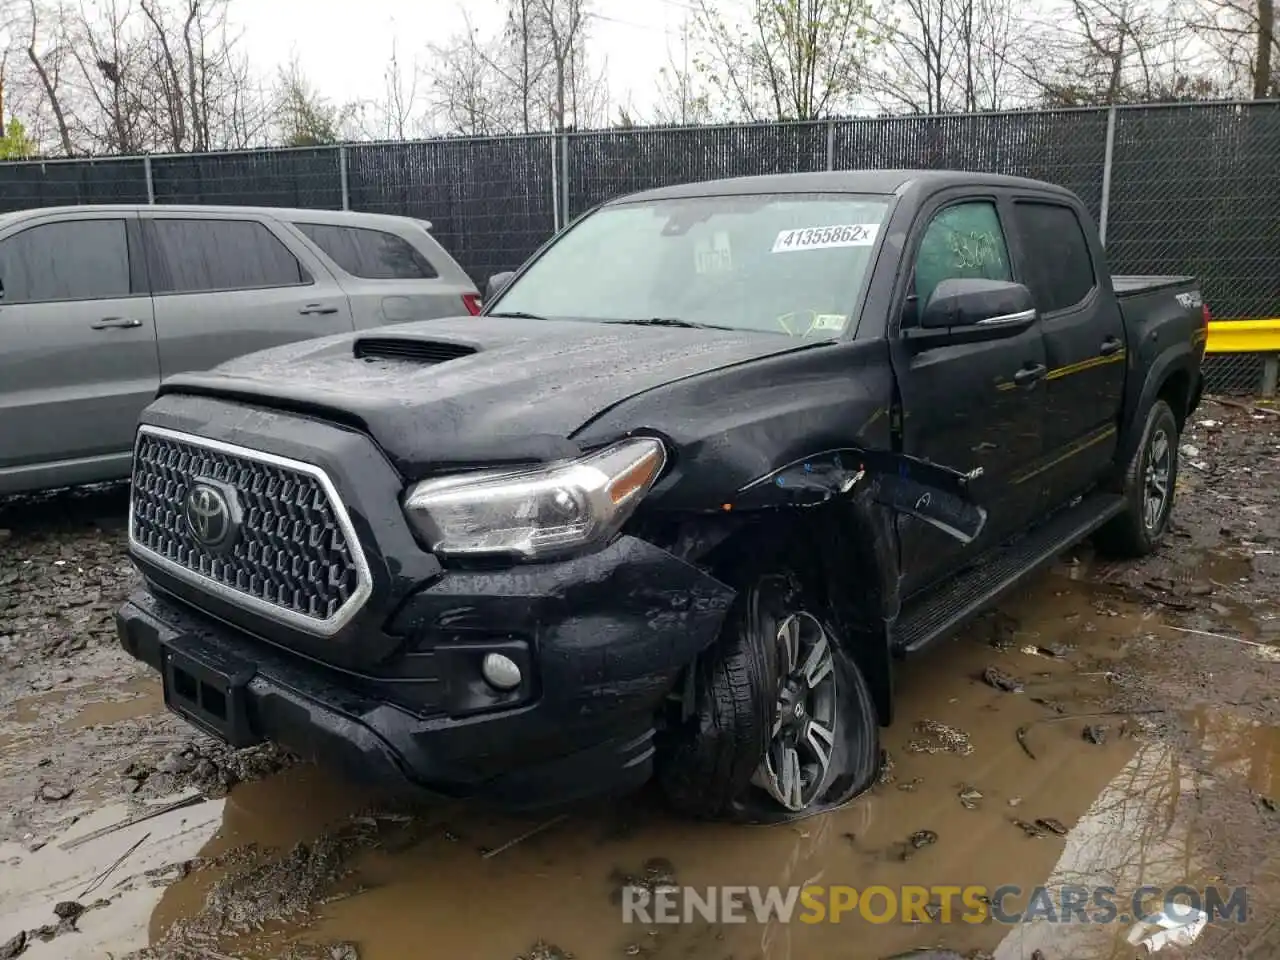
[1159,470]
[804,732]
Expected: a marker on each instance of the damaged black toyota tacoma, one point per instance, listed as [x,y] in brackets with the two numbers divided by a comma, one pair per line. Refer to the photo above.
[673,506]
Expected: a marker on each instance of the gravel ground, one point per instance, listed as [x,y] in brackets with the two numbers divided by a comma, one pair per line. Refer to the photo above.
[82,729]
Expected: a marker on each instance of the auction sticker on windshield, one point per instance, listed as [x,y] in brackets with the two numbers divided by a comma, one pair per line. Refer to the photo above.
[822,238]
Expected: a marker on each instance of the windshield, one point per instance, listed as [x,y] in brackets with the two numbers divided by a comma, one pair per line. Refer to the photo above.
[785,264]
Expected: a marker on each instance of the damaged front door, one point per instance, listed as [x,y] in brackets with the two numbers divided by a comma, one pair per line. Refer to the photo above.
[971,399]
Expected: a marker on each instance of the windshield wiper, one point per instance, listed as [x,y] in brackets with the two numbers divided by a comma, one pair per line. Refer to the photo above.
[671,322]
[516,315]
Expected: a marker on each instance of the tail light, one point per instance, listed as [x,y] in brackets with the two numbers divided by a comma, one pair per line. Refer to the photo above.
[472,302]
[1205,315]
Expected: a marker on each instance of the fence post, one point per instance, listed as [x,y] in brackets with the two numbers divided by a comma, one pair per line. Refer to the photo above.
[831,144]
[342,173]
[564,171]
[151,184]
[555,187]
[1107,158]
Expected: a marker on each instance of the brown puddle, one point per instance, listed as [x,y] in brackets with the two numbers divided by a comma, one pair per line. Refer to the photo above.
[138,698]
[1117,800]
[94,704]
[392,883]
[74,708]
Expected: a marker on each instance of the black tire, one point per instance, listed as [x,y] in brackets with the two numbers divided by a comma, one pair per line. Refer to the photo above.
[706,765]
[1135,533]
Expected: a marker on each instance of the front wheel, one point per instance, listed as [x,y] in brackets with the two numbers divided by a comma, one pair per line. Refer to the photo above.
[783,725]
[1149,484]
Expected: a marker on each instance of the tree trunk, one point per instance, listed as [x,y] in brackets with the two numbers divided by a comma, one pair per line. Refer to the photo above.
[64,133]
[1266,44]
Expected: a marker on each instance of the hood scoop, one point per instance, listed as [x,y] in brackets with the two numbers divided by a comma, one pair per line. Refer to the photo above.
[409,350]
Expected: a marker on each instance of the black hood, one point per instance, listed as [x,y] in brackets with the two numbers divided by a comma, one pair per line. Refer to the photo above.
[468,390]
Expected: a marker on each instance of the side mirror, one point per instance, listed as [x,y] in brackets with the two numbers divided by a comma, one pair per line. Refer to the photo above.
[971,302]
[495,284]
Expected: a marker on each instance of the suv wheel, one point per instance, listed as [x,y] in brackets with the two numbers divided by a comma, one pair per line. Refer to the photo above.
[1149,484]
[783,725]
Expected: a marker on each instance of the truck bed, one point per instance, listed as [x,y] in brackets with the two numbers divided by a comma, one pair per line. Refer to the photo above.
[1132,284]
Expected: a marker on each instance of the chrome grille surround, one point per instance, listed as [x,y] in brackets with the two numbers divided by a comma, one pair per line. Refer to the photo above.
[295,559]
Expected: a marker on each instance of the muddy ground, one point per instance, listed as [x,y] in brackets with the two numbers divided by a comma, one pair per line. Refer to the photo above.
[1142,747]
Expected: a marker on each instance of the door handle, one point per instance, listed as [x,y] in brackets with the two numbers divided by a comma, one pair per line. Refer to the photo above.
[109,323]
[1029,375]
[317,308]
[1110,346]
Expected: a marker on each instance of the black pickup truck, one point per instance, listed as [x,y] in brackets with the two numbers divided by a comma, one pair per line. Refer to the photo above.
[705,467]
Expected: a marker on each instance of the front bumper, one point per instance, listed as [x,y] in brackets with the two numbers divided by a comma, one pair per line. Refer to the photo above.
[603,639]
[396,694]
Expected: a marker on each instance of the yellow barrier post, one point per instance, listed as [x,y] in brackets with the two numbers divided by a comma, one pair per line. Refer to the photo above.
[1250,336]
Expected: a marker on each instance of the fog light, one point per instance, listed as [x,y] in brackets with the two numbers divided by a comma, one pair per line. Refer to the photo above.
[500,672]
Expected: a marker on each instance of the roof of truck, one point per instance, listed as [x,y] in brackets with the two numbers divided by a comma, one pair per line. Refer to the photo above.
[840,181]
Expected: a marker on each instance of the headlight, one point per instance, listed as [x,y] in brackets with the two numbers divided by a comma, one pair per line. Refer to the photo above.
[562,508]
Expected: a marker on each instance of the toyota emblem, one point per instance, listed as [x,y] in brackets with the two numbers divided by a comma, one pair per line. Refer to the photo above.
[212,513]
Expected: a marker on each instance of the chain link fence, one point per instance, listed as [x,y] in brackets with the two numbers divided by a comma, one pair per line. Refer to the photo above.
[1181,189]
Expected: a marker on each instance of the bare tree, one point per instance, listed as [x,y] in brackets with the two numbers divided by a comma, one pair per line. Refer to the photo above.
[997,35]
[683,97]
[48,69]
[113,72]
[397,113]
[242,113]
[1108,51]
[1242,34]
[538,72]
[946,55]
[562,25]
[920,58]
[790,59]
[137,75]
[203,91]
[523,62]
[175,97]
[589,96]
[470,93]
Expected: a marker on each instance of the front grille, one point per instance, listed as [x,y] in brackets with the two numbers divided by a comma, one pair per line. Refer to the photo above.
[291,552]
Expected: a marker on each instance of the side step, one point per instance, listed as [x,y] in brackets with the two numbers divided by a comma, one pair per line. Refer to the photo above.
[953,604]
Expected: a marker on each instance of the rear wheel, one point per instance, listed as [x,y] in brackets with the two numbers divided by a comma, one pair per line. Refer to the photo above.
[1149,484]
[783,719]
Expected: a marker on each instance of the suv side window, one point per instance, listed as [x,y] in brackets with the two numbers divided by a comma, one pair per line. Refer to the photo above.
[1059,266]
[67,260]
[204,255]
[963,241]
[369,254]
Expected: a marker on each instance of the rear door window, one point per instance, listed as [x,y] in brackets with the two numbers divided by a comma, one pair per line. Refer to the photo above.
[369,254]
[68,260]
[1059,266]
[204,255]
[962,241]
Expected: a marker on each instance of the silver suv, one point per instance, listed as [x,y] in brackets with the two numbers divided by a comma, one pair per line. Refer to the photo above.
[98,303]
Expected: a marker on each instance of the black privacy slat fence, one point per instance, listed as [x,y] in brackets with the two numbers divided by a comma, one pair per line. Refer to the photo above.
[1182,189]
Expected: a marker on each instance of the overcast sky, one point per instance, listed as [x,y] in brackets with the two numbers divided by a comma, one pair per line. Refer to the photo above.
[345,56]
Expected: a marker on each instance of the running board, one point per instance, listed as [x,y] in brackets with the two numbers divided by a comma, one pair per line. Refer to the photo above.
[955,603]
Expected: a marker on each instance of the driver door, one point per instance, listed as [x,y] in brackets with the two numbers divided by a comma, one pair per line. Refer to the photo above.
[961,405]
